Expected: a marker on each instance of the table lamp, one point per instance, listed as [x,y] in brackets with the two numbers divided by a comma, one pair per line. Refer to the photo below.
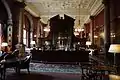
[88,43]
[4,44]
[114,77]
[114,48]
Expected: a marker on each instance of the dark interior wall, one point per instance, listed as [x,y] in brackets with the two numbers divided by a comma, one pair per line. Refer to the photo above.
[3,13]
[117,7]
[15,10]
[115,19]
[3,19]
[118,21]
[99,19]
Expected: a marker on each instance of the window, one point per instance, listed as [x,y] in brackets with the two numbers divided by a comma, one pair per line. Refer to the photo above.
[24,37]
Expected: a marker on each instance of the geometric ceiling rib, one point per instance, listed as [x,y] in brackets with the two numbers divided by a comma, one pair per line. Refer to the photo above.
[48,8]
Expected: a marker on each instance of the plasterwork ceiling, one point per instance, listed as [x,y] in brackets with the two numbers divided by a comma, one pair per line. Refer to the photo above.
[49,8]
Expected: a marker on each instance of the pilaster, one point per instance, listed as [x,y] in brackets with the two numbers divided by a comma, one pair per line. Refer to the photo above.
[92,29]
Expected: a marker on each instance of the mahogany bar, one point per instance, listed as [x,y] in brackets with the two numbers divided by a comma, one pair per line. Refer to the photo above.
[60,56]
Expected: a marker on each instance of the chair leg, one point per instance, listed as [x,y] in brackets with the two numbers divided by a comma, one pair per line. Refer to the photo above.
[28,70]
[1,74]
[18,70]
[4,73]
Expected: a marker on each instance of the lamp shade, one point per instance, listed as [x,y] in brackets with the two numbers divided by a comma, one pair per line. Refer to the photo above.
[114,48]
[114,77]
[88,43]
[4,44]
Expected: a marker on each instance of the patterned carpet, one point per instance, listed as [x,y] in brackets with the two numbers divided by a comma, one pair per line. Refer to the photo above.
[59,68]
[49,72]
[46,72]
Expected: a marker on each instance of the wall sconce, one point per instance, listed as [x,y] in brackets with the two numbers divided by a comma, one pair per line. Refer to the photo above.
[4,44]
[95,36]
[112,35]
[79,30]
[46,29]
[76,33]
[35,35]
[32,42]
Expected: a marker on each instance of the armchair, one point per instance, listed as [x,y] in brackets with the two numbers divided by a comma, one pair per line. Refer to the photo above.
[24,64]
[14,54]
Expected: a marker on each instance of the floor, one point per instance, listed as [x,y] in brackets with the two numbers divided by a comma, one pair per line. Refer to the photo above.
[43,76]
[40,71]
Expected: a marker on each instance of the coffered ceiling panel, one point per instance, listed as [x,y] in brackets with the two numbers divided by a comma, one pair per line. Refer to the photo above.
[49,8]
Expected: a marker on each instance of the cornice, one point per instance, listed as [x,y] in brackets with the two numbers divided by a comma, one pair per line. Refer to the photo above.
[97,8]
[95,12]
[32,10]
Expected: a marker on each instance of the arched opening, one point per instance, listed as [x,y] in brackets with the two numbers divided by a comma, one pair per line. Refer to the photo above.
[27,34]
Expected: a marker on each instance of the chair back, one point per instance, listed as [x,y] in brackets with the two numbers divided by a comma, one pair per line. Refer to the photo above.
[3,56]
[15,52]
[27,59]
[25,63]
[13,55]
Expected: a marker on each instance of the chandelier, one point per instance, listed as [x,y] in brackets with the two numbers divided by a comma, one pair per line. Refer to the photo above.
[47,28]
[79,16]
[78,29]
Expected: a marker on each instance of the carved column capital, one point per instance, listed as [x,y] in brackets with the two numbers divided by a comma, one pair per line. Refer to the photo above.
[92,17]
[106,2]
[38,18]
[9,22]
[20,4]
[85,24]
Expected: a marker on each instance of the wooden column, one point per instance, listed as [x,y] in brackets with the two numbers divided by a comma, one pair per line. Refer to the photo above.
[92,29]
[21,22]
[21,6]
[85,30]
[115,28]
[28,34]
[9,24]
[38,32]
[106,26]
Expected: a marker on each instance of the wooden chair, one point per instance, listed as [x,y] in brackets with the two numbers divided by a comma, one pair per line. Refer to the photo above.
[2,72]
